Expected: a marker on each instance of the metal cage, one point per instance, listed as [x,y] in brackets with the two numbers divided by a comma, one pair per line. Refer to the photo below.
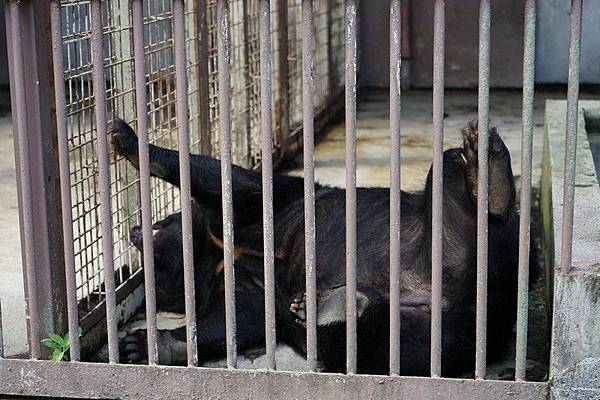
[254,74]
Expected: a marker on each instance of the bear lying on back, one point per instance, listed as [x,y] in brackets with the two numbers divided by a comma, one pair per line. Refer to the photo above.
[459,259]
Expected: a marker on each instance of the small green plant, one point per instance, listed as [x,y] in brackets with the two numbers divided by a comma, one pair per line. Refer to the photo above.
[59,345]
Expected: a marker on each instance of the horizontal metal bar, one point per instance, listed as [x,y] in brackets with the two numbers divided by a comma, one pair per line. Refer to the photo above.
[483,108]
[439,38]
[65,180]
[566,239]
[525,201]
[95,380]
[225,128]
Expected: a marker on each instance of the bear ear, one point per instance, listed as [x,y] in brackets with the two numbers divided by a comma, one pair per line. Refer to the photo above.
[473,126]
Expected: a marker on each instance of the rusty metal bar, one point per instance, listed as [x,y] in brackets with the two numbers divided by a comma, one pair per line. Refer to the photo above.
[25,176]
[395,192]
[104,180]
[65,181]
[185,184]
[566,237]
[144,167]
[308,89]
[267,178]
[41,128]
[483,120]
[351,32]
[13,106]
[525,201]
[437,192]
[225,128]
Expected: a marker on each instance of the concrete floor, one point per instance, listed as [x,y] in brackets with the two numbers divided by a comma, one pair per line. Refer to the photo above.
[11,280]
[373,149]
[373,167]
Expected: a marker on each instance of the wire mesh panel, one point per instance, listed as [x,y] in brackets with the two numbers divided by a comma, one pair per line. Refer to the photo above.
[118,54]
[237,111]
[161,107]
[329,47]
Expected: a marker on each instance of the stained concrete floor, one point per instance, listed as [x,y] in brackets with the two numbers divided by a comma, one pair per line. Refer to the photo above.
[373,148]
[373,166]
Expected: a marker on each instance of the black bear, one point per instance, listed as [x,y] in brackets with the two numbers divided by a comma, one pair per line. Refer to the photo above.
[459,253]
[210,295]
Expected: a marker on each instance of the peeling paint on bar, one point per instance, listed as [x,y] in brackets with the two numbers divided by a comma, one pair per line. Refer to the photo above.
[144,168]
[308,123]
[185,185]
[225,128]
[267,179]
[104,179]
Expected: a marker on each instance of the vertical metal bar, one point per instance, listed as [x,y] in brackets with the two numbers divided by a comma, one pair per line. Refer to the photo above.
[351,186]
[525,202]
[104,180]
[267,178]
[395,192]
[203,82]
[483,108]
[65,181]
[144,167]
[25,176]
[225,127]
[13,106]
[185,184]
[283,88]
[566,238]
[308,89]
[437,192]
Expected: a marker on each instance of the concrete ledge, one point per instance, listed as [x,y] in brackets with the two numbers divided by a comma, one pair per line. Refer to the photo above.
[106,381]
[575,324]
[580,382]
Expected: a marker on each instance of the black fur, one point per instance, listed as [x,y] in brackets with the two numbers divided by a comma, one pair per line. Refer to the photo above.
[459,256]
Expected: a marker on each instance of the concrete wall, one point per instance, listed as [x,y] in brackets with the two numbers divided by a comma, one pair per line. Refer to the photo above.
[553,42]
[374,43]
[3,55]
[462,35]
[462,27]
[575,345]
